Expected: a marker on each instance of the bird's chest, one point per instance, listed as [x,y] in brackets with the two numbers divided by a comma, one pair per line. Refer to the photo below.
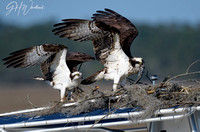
[61,75]
[117,63]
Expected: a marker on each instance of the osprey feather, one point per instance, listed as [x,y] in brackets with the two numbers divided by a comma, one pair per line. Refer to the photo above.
[58,66]
[112,35]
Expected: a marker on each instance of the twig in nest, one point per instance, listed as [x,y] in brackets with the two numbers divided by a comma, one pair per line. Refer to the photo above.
[185,89]
[191,65]
[186,73]
[29,102]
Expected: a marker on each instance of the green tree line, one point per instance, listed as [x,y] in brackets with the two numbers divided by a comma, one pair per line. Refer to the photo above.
[168,49]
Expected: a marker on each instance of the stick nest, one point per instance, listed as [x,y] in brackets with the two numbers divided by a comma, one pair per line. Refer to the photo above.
[146,97]
[142,96]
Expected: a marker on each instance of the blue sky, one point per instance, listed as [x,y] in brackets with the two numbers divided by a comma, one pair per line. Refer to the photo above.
[144,11]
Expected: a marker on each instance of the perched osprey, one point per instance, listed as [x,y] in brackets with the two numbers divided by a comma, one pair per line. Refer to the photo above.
[112,35]
[58,66]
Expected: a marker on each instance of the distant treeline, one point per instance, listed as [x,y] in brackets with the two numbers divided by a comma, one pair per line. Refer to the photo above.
[167,49]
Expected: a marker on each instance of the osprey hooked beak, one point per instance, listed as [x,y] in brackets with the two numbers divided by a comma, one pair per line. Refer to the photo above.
[140,73]
[141,69]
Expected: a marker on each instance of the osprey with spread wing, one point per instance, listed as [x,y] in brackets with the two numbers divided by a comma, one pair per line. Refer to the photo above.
[112,35]
[58,66]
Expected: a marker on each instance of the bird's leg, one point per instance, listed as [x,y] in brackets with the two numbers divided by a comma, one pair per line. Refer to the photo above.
[115,87]
[116,83]
[62,95]
[69,97]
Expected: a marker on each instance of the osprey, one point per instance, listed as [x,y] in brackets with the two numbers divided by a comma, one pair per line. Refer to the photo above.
[58,66]
[112,35]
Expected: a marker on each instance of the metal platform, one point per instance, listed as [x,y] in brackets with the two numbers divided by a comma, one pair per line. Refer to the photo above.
[166,120]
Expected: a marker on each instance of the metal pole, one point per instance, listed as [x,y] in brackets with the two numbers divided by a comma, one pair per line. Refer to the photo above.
[154,78]
[152,124]
[193,124]
[91,118]
[152,127]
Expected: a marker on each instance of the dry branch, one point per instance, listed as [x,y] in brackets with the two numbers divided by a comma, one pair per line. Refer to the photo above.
[186,73]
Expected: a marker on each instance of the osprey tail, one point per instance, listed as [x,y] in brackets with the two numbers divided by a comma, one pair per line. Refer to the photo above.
[95,77]
[39,78]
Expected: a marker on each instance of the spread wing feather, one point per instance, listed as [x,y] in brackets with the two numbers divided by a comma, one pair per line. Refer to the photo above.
[44,56]
[99,30]
[84,30]
[32,56]
[78,30]
[111,20]
[75,58]
[45,68]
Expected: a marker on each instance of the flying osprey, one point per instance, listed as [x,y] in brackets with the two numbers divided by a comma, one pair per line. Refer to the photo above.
[112,35]
[58,66]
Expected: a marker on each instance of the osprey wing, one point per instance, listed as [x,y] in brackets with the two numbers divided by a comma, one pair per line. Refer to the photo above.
[75,58]
[99,30]
[84,30]
[55,65]
[32,56]
[109,20]
[78,30]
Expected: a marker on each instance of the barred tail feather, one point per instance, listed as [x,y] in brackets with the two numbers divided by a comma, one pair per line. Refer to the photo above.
[39,78]
[43,79]
[95,77]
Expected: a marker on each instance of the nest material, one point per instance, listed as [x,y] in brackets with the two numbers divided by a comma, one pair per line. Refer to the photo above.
[145,97]
[148,98]
[173,94]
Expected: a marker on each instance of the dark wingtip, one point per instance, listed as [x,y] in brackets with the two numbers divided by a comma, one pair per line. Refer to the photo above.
[111,11]
[107,9]
[54,26]
[7,66]
[57,24]
[5,59]
[92,58]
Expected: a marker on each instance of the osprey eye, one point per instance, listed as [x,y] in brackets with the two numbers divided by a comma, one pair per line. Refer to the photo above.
[78,74]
